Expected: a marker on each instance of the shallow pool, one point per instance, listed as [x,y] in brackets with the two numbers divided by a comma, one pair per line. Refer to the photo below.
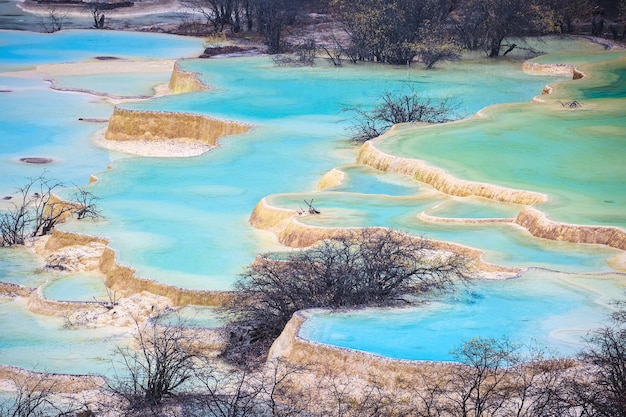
[185,221]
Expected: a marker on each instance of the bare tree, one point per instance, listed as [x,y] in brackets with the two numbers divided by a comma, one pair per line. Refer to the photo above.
[566,12]
[427,393]
[499,378]
[37,210]
[156,369]
[304,54]
[485,24]
[220,14]
[86,205]
[55,21]
[226,392]
[602,389]
[401,106]
[335,49]
[436,45]
[272,16]
[34,395]
[476,390]
[356,268]
[96,14]
[387,31]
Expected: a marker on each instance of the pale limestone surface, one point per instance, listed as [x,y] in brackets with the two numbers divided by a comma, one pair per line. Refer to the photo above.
[166,148]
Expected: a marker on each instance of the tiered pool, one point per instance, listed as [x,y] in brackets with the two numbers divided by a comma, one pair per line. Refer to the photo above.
[184,221]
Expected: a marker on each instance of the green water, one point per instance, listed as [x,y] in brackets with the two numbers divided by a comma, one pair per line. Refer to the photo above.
[76,287]
[299,136]
[43,343]
[575,156]
[185,221]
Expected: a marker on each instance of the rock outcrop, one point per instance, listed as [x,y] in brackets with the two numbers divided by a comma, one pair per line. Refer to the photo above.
[130,125]
[182,81]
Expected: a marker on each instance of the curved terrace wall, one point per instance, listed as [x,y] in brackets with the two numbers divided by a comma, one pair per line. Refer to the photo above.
[123,279]
[38,304]
[439,179]
[531,219]
[326,359]
[539,225]
[293,233]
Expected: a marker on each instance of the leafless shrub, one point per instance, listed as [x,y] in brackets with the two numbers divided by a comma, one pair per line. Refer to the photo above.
[223,391]
[37,210]
[500,378]
[35,395]
[54,20]
[303,54]
[155,370]
[86,205]
[393,107]
[601,390]
[356,268]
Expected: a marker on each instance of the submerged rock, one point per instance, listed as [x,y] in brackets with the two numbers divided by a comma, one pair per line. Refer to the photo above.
[36,160]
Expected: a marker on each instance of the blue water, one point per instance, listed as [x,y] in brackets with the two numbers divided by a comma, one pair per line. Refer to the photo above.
[42,343]
[78,286]
[116,85]
[299,136]
[38,122]
[552,310]
[22,267]
[20,49]
[184,221]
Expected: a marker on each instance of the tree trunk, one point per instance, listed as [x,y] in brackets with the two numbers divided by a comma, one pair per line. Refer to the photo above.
[494,51]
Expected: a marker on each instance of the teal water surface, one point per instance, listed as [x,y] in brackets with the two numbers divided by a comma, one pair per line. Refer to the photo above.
[299,135]
[551,310]
[185,221]
[42,343]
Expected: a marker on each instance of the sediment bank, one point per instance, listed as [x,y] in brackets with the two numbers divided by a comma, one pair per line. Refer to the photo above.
[123,279]
[38,304]
[51,382]
[331,179]
[566,70]
[138,8]
[447,220]
[8,289]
